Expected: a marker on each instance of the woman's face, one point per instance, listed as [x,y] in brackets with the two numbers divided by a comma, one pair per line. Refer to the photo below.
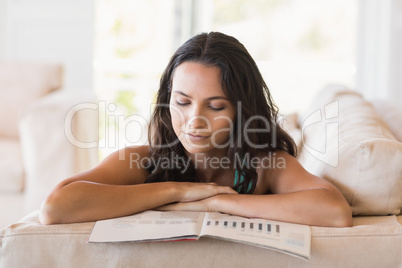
[202,116]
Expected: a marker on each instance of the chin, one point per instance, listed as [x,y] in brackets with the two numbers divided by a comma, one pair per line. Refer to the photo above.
[196,150]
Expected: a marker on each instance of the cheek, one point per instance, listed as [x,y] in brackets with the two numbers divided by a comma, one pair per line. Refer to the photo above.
[225,121]
[223,127]
[221,124]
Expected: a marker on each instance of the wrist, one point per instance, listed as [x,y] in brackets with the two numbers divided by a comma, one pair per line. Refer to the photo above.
[168,191]
[174,189]
[215,203]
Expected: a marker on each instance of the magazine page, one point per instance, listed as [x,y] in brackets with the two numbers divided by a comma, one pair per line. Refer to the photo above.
[149,226]
[290,238]
[152,225]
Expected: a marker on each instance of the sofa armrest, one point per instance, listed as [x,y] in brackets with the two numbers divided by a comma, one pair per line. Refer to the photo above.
[371,242]
[49,156]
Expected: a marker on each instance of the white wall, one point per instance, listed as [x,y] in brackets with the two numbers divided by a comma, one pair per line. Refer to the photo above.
[3,19]
[379,62]
[51,30]
[395,70]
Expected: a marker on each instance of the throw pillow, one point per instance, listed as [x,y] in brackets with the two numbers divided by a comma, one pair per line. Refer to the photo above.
[346,142]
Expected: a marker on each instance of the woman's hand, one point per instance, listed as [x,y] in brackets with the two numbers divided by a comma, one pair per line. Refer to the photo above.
[206,205]
[201,205]
[197,197]
[190,191]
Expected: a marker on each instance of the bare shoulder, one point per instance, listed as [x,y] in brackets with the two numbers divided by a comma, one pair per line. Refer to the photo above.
[267,164]
[119,168]
[283,173]
[127,164]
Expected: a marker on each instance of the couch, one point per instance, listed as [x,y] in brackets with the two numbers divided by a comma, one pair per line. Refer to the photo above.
[341,137]
[34,151]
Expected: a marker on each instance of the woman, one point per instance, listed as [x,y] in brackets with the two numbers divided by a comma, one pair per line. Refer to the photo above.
[214,145]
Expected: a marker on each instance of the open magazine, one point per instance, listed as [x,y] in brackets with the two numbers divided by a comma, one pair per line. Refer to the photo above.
[152,225]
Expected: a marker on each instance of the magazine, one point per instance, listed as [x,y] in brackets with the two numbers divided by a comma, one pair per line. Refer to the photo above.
[293,239]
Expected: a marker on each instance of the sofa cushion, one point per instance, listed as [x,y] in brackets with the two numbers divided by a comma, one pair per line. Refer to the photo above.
[371,242]
[347,142]
[392,115]
[20,84]
[11,168]
[53,124]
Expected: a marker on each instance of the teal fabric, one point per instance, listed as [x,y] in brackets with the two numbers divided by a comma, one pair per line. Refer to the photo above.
[241,180]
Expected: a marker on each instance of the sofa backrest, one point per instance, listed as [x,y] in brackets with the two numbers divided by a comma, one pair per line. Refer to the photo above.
[20,84]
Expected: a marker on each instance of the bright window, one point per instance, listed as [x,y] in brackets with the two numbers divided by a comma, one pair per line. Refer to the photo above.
[299,45]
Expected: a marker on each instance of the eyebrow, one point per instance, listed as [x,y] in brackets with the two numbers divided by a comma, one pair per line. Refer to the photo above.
[210,98]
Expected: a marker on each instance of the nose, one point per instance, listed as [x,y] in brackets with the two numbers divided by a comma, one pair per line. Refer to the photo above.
[196,119]
[197,122]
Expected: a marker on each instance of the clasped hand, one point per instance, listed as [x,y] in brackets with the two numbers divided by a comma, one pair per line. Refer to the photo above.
[197,197]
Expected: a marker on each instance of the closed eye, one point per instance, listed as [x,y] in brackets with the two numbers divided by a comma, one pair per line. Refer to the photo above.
[182,103]
[216,108]
[211,107]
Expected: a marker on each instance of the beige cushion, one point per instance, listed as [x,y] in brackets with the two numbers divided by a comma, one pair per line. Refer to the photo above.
[21,83]
[11,168]
[392,115]
[371,242]
[348,143]
[48,155]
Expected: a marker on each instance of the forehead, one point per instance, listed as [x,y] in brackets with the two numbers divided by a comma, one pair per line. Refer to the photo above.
[197,78]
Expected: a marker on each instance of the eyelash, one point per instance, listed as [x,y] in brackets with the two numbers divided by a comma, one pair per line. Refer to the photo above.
[187,103]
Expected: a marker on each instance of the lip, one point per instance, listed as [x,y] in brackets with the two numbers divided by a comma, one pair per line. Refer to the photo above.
[195,137]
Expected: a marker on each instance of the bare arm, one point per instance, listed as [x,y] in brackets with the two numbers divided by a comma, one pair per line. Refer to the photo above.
[115,189]
[318,207]
[298,197]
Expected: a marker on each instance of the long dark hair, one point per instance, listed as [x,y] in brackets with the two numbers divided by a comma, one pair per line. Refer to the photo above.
[242,83]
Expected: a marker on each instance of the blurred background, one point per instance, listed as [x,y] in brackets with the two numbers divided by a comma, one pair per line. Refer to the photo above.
[117,49]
